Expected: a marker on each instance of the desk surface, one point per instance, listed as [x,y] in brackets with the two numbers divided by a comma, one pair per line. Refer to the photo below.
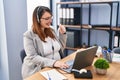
[113,73]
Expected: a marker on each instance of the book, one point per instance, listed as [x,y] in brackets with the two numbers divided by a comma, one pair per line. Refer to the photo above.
[53,75]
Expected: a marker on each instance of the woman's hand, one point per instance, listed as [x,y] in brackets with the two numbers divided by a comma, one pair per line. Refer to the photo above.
[60,64]
[62,29]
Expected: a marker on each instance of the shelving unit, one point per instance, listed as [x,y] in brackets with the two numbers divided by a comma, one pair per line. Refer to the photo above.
[110,28]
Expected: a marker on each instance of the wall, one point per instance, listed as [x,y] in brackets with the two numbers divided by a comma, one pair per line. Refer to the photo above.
[31,4]
[100,15]
[4,72]
[15,12]
[13,27]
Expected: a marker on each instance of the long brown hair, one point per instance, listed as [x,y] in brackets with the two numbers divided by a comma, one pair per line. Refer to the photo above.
[37,14]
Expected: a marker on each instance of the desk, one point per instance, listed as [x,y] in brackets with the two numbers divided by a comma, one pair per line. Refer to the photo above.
[112,74]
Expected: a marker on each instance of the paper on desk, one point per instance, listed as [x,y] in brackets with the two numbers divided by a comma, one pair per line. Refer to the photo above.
[116,57]
[53,74]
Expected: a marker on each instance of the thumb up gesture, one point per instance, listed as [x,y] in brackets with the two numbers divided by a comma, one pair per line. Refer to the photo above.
[62,29]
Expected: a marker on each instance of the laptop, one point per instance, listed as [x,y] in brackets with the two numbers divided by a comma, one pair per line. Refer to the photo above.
[82,59]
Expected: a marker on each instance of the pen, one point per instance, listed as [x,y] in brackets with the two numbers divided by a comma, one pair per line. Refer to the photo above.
[48,76]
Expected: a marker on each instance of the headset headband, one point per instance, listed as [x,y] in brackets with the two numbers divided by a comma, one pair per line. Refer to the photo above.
[38,14]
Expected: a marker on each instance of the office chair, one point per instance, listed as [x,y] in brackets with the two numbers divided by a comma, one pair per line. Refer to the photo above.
[116,50]
[22,55]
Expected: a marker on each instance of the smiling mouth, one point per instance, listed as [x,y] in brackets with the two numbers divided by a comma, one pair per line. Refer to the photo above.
[48,24]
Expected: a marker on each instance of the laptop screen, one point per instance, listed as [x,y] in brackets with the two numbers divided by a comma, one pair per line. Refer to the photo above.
[84,58]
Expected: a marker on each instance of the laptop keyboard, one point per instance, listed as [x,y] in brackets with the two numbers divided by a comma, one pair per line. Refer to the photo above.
[70,63]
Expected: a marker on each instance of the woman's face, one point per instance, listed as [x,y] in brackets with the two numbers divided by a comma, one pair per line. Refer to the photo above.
[46,20]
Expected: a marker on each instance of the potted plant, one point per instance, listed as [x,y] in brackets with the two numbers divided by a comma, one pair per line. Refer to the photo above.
[101,65]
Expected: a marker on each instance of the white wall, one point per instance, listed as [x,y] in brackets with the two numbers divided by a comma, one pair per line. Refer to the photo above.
[54,13]
[15,12]
[31,4]
[15,24]
[12,30]
[4,73]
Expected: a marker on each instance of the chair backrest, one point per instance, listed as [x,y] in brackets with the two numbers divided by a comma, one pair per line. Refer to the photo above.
[22,55]
[116,50]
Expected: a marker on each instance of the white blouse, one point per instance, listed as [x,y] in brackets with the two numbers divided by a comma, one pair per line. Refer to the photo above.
[51,48]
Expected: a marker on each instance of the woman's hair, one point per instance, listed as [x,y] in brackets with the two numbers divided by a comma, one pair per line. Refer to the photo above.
[37,14]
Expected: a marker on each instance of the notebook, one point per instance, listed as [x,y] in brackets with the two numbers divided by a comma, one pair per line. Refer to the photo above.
[82,59]
[53,75]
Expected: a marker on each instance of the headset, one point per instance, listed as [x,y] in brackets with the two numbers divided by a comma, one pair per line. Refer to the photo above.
[38,11]
[38,14]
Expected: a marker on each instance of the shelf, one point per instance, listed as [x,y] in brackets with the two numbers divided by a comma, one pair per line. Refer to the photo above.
[78,17]
[76,26]
[90,2]
[74,49]
[69,48]
[89,27]
[116,28]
